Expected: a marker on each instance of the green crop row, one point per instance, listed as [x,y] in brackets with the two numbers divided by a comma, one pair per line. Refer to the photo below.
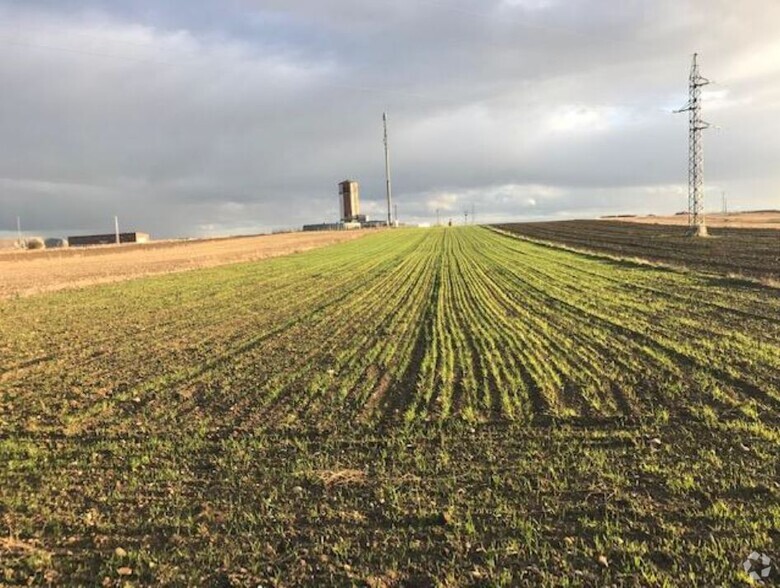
[414,325]
[440,407]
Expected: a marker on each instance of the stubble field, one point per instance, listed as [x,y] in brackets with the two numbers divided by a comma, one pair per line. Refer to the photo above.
[32,272]
[417,407]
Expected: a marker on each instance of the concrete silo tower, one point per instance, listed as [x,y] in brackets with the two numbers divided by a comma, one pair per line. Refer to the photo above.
[349,199]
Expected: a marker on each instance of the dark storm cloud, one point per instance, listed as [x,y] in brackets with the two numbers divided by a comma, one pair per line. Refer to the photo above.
[209,117]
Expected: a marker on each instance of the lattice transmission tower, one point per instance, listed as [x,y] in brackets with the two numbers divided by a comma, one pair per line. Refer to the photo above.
[696,219]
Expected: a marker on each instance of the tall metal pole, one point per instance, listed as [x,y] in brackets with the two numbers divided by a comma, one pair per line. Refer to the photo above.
[116,228]
[696,222]
[387,175]
[438,218]
[19,229]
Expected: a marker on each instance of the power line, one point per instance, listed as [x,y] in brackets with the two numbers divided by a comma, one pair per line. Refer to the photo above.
[696,219]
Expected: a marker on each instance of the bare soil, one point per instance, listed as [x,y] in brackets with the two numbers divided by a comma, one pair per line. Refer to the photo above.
[30,272]
[764,219]
[747,252]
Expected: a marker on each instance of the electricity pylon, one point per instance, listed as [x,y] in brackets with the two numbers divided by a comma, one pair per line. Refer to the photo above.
[388,186]
[696,219]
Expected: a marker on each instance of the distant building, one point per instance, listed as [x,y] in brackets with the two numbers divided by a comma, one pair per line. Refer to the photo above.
[332,226]
[349,198]
[108,239]
[323,227]
[56,243]
[349,203]
[374,224]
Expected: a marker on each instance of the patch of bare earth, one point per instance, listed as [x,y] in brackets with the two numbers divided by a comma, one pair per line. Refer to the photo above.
[769,219]
[31,272]
[377,397]
[342,477]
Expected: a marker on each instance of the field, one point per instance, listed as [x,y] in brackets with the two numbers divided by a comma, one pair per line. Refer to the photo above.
[759,219]
[450,406]
[31,272]
[751,253]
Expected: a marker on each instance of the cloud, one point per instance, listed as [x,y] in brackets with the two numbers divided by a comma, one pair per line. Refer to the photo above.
[442,201]
[583,119]
[214,117]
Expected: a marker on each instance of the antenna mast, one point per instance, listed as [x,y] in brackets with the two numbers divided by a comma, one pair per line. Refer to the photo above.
[696,221]
[387,175]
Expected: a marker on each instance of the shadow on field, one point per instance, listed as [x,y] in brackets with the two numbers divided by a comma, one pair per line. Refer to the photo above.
[401,392]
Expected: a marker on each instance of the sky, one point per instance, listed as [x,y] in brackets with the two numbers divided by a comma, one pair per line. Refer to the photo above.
[206,117]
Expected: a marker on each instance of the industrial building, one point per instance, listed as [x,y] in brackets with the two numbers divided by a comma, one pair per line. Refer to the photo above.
[323,227]
[349,204]
[349,198]
[107,239]
[373,224]
[55,243]
[342,226]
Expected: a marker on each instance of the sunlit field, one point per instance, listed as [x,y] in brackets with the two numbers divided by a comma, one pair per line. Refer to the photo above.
[415,407]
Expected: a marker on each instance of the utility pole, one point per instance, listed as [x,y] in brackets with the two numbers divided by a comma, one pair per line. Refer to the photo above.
[19,230]
[697,225]
[438,218]
[116,228]
[725,204]
[473,214]
[387,175]
[395,214]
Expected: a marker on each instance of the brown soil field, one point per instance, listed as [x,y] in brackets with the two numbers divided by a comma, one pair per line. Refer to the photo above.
[31,272]
[743,252]
[764,219]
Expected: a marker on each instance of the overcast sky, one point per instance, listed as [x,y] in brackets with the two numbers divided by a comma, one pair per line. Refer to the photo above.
[196,117]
